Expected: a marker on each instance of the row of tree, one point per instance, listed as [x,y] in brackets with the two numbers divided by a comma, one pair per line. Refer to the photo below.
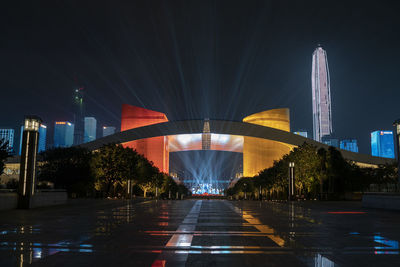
[111,171]
[319,173]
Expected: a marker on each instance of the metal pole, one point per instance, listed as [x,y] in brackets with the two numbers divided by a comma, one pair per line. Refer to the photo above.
[396,124]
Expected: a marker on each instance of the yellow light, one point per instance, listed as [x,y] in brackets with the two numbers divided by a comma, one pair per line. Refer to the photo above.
[60,122]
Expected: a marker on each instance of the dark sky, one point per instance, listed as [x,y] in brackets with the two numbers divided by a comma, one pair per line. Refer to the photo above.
[196,59]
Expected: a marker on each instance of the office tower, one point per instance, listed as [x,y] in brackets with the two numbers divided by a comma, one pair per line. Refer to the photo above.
[108,130]
[330,141]
[382,144]
[349,144]
[42,138]
[63,134]
[302,133]
[321,95]
[79,111]
[8,136]
[90,128]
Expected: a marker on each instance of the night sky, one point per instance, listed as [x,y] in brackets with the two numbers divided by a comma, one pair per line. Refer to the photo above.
[197,59]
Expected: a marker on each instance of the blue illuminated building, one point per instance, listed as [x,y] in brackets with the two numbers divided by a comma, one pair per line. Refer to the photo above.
[382,144]
[330,141]
[42,138]
[90,127]
[63,134]
[8,136]
[302,133]
[349,144]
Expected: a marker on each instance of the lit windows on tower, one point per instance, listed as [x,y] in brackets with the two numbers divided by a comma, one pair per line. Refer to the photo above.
[349,145]
[8,136]
[90,128]
[382,144]
[321,95]
[63,134]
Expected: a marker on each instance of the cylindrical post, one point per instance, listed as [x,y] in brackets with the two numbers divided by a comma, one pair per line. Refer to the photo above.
[291,178]
[396,124]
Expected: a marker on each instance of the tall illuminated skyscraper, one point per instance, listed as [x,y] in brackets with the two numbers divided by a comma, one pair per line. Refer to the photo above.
[79,113]
[321,95]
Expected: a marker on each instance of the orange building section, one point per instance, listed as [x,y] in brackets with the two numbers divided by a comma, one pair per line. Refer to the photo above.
[258,153]
[155,149]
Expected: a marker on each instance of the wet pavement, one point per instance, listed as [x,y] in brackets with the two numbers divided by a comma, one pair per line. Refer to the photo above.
[200,233]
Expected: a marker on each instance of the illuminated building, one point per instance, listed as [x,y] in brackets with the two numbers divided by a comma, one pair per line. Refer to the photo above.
[108,130]
[63,134]
[321,95]
[79,111]
[330,141]
[258,153]
[382,144]
[254,145]
[90,128]
[302,133]
[42,138]
[154,149]
[349,145]
[8,136]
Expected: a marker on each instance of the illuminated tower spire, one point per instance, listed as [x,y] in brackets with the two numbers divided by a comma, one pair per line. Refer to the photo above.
[78,115]
[321,95]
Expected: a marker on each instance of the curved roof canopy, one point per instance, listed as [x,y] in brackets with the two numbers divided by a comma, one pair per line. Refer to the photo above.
[223,127]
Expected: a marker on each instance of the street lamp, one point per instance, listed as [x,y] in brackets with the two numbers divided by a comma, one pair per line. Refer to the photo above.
[245,195]
[397,125]
[291,178]
[27,174]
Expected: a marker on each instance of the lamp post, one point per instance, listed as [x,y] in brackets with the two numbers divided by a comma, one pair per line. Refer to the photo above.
[27,174]
[292,185]
[396,124]
[245,195]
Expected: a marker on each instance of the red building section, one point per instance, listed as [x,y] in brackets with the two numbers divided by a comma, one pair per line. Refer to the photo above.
[154,149]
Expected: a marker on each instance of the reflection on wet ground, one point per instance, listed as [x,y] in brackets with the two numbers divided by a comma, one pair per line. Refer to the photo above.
[200,233]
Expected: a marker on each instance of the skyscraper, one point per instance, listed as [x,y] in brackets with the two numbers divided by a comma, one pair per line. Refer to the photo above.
[42,138]
[89,129]
[108,130]
[321,95]
[349,144]
[382,144]
[8,136]
[79,111]
[63,134]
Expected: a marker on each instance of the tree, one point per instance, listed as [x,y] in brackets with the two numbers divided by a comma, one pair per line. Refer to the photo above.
[3,154]
[68,168]
[110,168]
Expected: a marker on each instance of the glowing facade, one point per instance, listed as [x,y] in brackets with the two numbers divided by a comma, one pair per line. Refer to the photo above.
[259,153]
[321,95]
[63,134]
[382,144]
[154,149]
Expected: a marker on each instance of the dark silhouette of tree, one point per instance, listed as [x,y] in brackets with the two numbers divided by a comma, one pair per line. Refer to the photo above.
[68,168]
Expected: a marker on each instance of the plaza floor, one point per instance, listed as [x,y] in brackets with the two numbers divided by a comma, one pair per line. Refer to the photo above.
[200,233]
